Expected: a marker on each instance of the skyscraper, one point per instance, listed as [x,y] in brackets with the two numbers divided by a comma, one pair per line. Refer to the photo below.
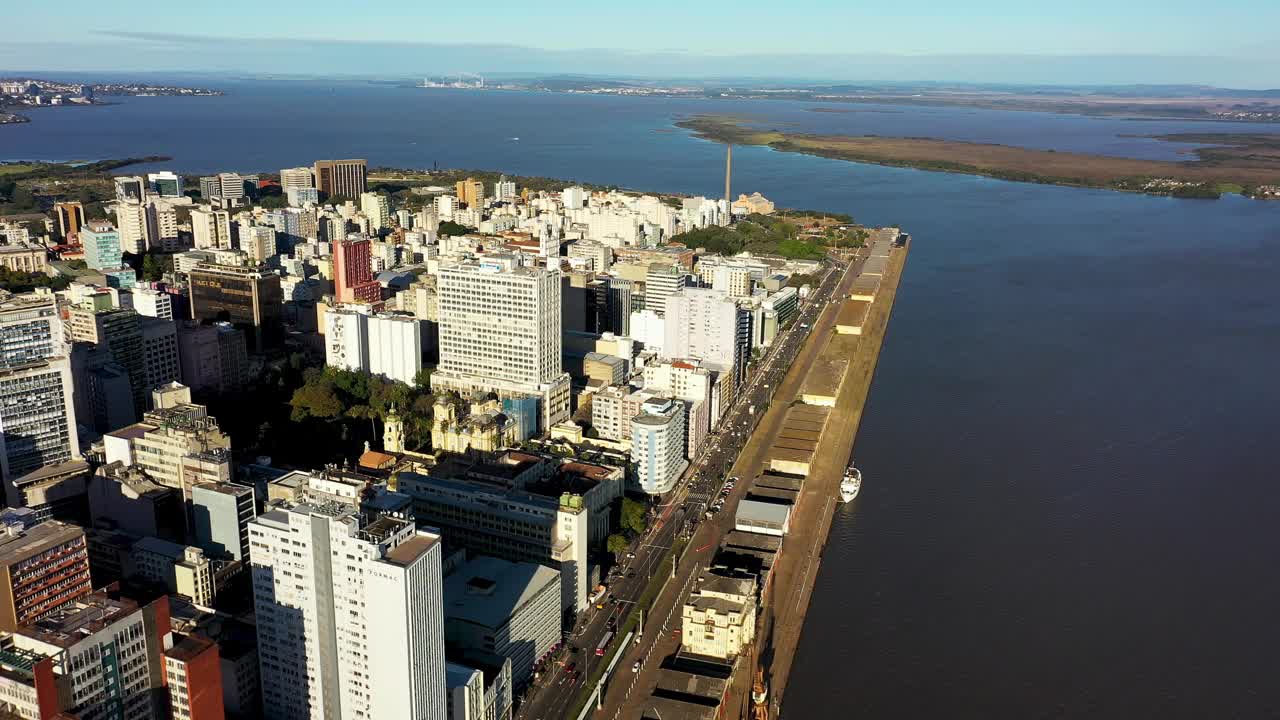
[118,332]
[42,568]
[344,178]
[377,209]
[500,331]
[37,417]
[349,614]
[658,445]
[707,325]
[130,189]
[660,282]
[471,192]
[353,279]
[165,184]
[131,222]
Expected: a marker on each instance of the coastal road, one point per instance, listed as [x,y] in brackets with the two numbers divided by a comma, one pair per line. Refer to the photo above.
[628,691]
[556,691]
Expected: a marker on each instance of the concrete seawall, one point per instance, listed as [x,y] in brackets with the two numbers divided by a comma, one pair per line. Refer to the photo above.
[797,568]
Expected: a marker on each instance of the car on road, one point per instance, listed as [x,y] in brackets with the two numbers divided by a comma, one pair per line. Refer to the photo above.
[636,668]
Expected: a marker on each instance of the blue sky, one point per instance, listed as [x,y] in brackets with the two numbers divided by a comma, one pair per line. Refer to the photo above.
[1232,37]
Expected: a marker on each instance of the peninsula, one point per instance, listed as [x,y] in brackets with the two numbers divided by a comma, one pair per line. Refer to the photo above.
[1248,164]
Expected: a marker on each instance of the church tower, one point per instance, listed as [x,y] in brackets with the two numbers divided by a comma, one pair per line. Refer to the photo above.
[393,432]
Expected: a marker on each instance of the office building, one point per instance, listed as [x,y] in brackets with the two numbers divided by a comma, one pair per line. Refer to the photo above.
[42,568]
[56,491]
[30,329]
[479,686]
[117,337]
[210,228]
[248,298]
[70,219]
[707,325]
[213,358]
[298,177]
[500,332]
[101,244]
[153,303]
[159,351]
[515,525]
[507,608]
[98,657]
[37,417]
[231,186]
[165,184]
[471,192]
[341,178]
[193,676]
[661,282]
[182,569]
[373,650]
[353,280]
[220,517]
[178,446]
[658,445]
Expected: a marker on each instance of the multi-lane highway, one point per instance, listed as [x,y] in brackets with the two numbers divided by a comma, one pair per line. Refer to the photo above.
[680,510]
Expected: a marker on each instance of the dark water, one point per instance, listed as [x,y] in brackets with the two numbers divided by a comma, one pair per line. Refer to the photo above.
[1070,505]
[268,125]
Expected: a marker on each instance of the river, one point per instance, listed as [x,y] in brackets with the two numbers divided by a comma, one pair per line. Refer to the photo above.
[1070,499]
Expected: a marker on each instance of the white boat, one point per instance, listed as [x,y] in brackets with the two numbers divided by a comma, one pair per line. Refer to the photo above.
[851,484]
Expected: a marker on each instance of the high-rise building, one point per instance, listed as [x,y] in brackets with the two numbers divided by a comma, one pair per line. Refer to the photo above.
[101,244]
[573,198]
[220,515]
[159,351]
[384,344]
[470,192]
[131,222]
[210,228]
[118,333]
[165,184]
[376,207]
[658,445]
[153,303]
[353,279]
[374,649]
[661,282]
[500,331]
[193,673]
[70,218]
[97,657]
[341,178]
[214,358]
[258,242]
[162,226]
[249,298]
[42,568]
[182,569]
[504,190]
[298,177]
[179,446]
[30,329]
[130,189]
[231,186]
[706,324]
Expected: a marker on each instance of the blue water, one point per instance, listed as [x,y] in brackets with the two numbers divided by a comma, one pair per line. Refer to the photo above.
[1070,499]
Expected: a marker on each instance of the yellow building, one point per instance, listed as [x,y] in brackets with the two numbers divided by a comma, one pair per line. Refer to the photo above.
[471,192]
[719,618]
[755,203]
[483,426]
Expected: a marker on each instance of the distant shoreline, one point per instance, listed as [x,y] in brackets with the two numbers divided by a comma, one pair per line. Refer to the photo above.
[1247,164]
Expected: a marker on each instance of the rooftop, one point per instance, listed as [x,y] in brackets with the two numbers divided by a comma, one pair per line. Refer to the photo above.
[189,648]
[488,591]
[35,540]
[79,619]
[407,552]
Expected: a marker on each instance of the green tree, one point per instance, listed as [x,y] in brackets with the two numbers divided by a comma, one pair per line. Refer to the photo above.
[317,398]
[617,544]
[449,228]
[422,380]
[152,268]
[633,516]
